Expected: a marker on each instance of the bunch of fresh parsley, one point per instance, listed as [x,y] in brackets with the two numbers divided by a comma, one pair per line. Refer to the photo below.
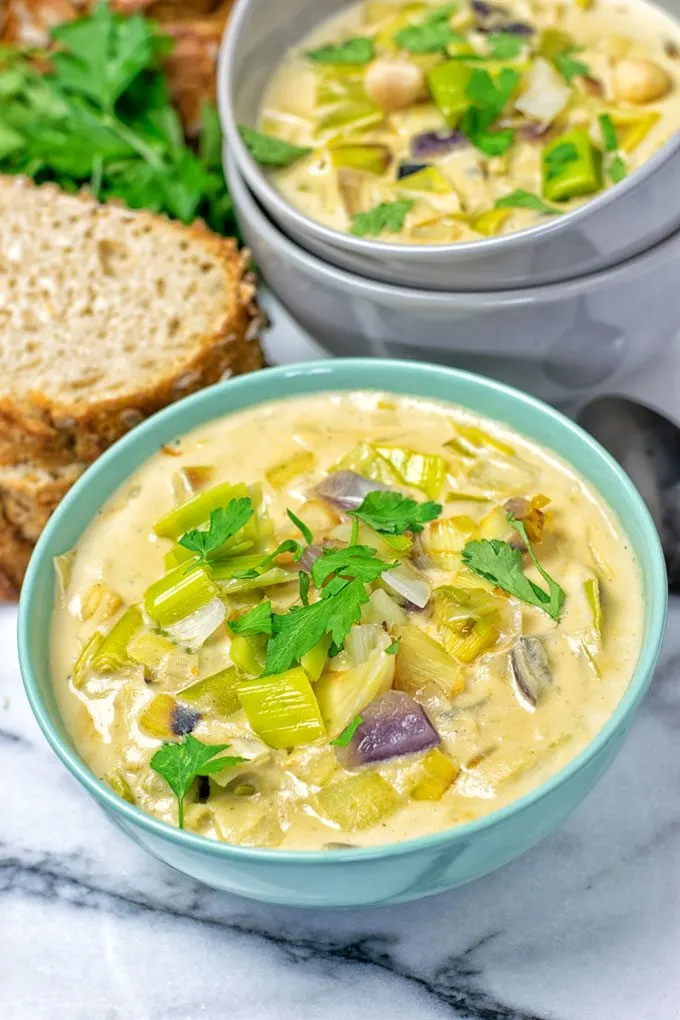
[101,117]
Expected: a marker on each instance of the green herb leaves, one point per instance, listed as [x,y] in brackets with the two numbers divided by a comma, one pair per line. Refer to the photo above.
[558,158]
[257,621]
[616,170]
[225,522]
[432,35]
[568,67]
[504,46]
[521,199]
[358,50]
[269,150]
[489,99]
[386,216]
[501,564]
[356,561]
[346,736]
[179,764]
[390,513]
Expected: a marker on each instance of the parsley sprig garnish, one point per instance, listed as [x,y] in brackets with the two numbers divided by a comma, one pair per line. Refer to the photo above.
[521,199]
[388,216]
[432,35]
[501,564]
[391,513]
[180,763]
[358,50]
[489,99]
[346,736]
[225,522]
[268,150]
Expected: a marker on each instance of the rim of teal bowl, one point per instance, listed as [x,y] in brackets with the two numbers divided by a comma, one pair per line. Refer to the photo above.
[366,370]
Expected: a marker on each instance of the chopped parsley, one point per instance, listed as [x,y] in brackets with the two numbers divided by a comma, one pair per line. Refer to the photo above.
[180,763]
[521,199]
[432,35]
[256,621]
[269,150]
[390,513]
[489,98]
[568,67]
[225,522]
[346,736]
[388,216]
[558,158]
[358,50]
[609,139]
[504,46]
[393,648]
[356,561]
[617,170]
[301,526]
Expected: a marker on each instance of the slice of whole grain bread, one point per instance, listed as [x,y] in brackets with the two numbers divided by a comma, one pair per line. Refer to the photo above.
[107,315]
[30,495]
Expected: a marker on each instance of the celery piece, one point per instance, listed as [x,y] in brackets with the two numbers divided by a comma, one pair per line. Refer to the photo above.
[343,694]
[120,786]
[282,709]
[438,773]
[365,460]
[427,179]
[178,594]
[370,158]
[491,222]
[277,575]
[591,588]
[444,539]
[572,166]
[249,653]
[230,566]
[314,661]
[215,694]
[358,801]
[466,643]
[177,556]
[350,116]
[197,510]
[425,471]
[230,555]
[421,660]
[112,655]
[298,464]
[83,663]
[448,84]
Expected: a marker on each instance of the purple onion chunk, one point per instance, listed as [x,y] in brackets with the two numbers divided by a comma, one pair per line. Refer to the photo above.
[408,169]
[347,489]
[486,10]
[436,143]
[393,725]
[309,558]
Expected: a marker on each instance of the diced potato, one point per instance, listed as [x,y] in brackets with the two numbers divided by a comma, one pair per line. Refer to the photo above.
[298,464]
[358,801]
[343,694]
[438,774]
[444,539]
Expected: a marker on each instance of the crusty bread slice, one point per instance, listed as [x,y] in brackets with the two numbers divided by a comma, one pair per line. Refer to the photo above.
[15,552]
[29,495]
[107,315]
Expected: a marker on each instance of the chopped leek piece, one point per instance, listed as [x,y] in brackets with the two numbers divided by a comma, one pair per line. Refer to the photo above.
[340,84]
[455,606]
[282,709]
[632,128]
[405,15]
[215,694]
[491,222]
[164,717]
[299,464]
[553,42]
[448,84]
[477,442]
[353,116]
[572,166]
[178,594]
[427,179]
[591,587]
[314,764]
[468,642]
[444,539]
[120,785]
[314,661]
[150,649]
[228,568]
[495,525]
[425,471]
[343,694]
[248,652]
[100,601]
[112,655]
[358,801]
[371,159]
[83,663]
[364,460]
[277,575]
[177,556]
[197,510]
[422,660]
[380,608]
[438,773]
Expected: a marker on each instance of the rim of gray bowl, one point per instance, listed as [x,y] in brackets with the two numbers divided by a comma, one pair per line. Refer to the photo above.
[226,86]
[243,196]
[104,795]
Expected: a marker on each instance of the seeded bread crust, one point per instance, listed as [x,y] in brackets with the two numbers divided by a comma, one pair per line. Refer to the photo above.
[49,432]
[29,496]
[15,552]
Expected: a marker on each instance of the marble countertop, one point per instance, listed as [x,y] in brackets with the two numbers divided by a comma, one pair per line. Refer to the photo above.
[584,927]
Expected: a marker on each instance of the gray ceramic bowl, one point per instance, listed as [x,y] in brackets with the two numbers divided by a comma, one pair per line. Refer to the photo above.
[559,341]
[617,225]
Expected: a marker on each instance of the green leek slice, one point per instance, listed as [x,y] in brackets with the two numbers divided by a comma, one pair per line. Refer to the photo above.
[178,594]
[358,801]
[112,655]
[215,694]
[282,709]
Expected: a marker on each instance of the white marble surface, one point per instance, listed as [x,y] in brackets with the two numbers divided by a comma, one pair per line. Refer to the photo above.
[584,927]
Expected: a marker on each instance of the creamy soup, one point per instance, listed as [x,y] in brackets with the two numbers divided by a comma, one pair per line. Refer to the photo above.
[350,618]
[425,124]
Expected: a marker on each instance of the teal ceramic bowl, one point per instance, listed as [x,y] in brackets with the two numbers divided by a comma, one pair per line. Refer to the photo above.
[380,875]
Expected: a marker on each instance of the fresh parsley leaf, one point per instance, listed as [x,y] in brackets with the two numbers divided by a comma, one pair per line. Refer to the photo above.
[489,99]
[358,50]
[501,564]
[304,580]
[568,67]
[504,46]
[520,199]
[559,157]
[393,648]
[356,561]
[301,526]
[611,142]
[225,522]
[386,216]
[390,513]
[269,150]
[617,170]
[433,35]
[256,621]
[345,737]
[491,143]
[302,627]
[289,545]
[180,763]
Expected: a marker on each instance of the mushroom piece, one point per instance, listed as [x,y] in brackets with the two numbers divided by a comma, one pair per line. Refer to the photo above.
[529,668]
[640,81]
[394,84]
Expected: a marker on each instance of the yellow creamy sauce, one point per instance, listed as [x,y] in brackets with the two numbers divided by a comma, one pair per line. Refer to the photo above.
[504,747]
[601,35]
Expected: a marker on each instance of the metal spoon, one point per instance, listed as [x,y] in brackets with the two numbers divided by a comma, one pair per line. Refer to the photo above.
[647,446]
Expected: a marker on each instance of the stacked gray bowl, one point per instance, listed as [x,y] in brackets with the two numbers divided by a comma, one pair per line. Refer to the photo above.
[562,309]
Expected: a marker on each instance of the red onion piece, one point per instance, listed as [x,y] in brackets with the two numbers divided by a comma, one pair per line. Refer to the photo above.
[309,558]
[436,143]
[393,725]
[347,489]
[407,169]
[407,583]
